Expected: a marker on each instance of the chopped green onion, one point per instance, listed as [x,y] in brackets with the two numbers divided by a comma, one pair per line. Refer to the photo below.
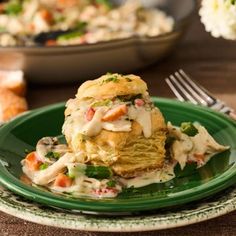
[107,3]
[70,35]
[98,172]
[111,183]
[113,79]
[75,171]
[54,155]
[43,166]
[78,32]
[106,102]
[81,26]
[188,128]
[13,7]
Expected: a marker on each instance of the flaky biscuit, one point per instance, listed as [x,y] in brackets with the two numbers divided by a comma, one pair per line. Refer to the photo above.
[112,85]
[130,153]
[127,153]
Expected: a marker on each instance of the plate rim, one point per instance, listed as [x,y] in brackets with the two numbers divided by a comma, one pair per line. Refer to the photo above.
[201,212]
[216,184]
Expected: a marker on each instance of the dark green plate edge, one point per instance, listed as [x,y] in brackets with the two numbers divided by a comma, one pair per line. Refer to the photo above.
[219,183]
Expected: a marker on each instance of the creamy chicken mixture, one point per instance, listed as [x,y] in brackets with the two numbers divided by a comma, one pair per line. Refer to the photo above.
[70,22]
[114,114]
[54,166]
[197,148]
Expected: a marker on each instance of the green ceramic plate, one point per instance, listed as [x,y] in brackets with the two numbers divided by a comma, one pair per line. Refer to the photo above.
[23,133]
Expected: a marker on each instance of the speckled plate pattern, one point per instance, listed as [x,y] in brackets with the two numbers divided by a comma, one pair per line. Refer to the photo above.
[218,205]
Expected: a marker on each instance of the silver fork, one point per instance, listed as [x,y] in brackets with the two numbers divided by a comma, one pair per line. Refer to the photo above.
[186,89]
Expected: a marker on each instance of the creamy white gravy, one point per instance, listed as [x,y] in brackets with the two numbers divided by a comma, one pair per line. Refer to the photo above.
[77,124]
[162,175]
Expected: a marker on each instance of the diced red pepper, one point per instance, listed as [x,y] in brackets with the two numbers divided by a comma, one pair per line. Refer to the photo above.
[139,102]
[63,180]
[115,113]
[51,42]
[32,161]
[46,15]
[89,114]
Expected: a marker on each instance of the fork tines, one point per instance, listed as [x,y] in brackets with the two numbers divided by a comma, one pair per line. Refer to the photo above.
[186,89]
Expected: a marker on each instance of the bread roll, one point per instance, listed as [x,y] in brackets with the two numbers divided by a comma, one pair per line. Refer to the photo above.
[14,81]
[10,105]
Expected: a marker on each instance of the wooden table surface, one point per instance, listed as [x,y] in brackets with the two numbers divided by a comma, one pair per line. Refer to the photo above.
[210,61]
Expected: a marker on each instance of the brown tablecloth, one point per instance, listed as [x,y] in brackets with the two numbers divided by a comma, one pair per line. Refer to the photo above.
[210,61]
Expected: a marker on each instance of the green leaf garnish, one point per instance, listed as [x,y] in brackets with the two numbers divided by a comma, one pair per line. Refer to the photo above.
[81,26]
[43,166]
[71,35]
[111,183]
[14,7]
[188,128]
[106,3]
[75,171]
[113,79]
[106,102]
[98,172]
[54,155]
[79,30]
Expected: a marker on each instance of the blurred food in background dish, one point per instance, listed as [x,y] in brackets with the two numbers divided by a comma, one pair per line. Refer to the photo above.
[64,64]
[12,91]
[71,22]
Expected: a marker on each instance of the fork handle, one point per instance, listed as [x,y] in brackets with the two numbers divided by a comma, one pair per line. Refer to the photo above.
[222,107]
[232,114]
